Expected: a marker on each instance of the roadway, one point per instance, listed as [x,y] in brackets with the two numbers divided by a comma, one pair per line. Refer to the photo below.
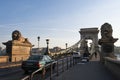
[16,73]
[12,73]
[92,70]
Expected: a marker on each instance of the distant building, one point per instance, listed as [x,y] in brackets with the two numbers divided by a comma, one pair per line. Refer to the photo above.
[55,49]
[42,50]
[36,50]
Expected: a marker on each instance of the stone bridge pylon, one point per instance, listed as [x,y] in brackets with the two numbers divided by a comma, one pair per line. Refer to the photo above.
[89,34]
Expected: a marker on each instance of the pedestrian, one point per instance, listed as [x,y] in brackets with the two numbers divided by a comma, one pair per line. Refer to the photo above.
[95,54]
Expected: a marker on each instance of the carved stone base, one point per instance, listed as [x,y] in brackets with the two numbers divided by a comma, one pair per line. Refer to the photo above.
[18,48]
[18,51]
[107,48]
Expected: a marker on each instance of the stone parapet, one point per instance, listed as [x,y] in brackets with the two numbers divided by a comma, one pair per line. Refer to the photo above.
[113,65]
[3,59]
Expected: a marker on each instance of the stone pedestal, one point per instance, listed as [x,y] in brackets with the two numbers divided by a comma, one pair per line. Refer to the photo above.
[18,48]
[17,51]
[107,48]
[107,42]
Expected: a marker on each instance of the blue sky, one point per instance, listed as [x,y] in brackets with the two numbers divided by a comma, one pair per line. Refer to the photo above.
[58,20]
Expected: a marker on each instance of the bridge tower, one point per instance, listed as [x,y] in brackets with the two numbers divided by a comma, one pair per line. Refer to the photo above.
[90,33]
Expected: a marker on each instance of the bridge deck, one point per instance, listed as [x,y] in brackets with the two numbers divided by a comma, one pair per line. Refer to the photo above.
[93,70]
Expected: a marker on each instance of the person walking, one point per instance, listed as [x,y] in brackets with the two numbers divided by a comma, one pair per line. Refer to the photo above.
[95,54]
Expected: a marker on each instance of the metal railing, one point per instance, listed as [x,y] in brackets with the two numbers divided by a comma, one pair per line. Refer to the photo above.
[61,66]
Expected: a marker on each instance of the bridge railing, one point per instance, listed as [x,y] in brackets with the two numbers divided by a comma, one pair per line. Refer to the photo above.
[113,65]
[61,66]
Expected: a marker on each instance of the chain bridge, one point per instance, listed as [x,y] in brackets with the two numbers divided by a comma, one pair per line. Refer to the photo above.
[101,63]
[103,66]
[86,34]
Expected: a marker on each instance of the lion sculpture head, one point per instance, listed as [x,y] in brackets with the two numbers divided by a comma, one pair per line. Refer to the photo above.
[16,35]
[106,31]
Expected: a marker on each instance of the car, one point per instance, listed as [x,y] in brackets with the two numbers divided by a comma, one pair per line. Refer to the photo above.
[35,62]
[85,59]
[76,55]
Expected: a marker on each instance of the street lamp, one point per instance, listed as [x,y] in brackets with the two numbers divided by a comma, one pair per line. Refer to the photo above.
[66,45]
[47,41]
[38,41]
[47,49]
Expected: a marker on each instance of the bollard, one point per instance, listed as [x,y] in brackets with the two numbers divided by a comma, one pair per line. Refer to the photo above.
[51,71]
[73,61]
[8,62]
[57,69]
[67,63]
[62,65]
[43,73]
[15,60]
[21,59]
[70,61]
[31,76]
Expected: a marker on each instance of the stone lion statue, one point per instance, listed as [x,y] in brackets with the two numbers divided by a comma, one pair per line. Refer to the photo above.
[16,35]
[106,31]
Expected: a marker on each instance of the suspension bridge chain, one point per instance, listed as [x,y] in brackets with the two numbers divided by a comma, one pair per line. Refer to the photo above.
[70,49]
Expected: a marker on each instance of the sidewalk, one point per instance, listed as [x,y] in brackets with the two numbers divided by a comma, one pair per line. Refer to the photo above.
[8,71]
[88,71]
[8,68]
[9,64]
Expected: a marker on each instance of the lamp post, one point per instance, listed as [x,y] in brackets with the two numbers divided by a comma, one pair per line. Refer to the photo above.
[38,41]
[47,49]
[66,45]
[47,41]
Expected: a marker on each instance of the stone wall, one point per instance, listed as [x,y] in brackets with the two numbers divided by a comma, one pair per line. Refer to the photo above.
[18,58]
[3,59]
[113,65]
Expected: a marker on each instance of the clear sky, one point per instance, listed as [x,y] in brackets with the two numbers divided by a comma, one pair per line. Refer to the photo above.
[57,20]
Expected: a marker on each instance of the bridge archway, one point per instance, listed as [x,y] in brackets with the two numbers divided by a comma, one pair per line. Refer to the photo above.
[90,34]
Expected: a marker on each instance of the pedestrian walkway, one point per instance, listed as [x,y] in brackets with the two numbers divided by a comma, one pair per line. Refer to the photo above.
[8,68]
[7,71]
[93,70]
[9,64]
